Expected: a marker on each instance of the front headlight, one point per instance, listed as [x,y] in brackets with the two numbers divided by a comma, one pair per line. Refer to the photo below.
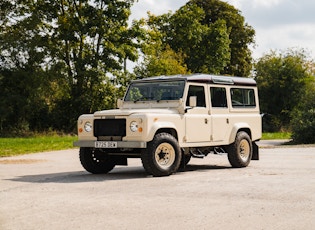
[88,126]
[133,126]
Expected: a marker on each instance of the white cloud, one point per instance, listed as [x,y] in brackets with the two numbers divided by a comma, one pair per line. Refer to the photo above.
[157,7]
[279,24]
[289,36]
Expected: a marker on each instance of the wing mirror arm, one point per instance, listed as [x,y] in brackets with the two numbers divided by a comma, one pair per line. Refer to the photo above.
[192,103]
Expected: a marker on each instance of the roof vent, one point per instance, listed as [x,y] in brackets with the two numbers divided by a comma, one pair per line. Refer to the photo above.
[223,80]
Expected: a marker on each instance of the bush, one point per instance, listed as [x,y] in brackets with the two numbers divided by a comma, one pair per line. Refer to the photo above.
[303,119]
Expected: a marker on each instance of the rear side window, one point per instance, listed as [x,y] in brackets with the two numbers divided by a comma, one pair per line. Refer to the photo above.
[243,98]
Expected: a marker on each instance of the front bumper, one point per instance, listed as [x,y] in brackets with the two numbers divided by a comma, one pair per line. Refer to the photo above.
[111,144]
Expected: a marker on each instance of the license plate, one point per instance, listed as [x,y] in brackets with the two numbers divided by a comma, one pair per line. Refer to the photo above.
[106,144]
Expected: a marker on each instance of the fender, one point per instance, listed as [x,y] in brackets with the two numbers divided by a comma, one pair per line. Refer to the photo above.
[159,125]
[236,128]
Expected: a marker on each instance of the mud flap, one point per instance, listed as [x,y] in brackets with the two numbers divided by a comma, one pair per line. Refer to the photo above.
[255,155]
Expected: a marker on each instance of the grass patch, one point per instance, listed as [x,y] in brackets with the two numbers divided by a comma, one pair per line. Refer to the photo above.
[274,136]
[17,146]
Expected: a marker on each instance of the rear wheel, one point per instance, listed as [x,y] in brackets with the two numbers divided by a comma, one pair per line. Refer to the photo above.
[240,152]
[96,161]
[162,156]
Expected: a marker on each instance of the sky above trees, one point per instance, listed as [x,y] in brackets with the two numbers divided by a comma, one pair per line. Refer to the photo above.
[279,24]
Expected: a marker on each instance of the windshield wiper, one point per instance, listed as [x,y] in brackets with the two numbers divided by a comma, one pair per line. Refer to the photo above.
[143,99]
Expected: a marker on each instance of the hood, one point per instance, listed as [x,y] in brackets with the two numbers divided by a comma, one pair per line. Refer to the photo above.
[127,112]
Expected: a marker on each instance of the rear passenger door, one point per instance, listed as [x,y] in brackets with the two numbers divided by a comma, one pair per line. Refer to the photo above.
[197,119]
[219,114]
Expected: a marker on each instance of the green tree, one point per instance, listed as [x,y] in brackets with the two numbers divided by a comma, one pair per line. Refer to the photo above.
[158,59]
[161,62]
[73,47]
[22,52]
[206,46]
[282,80]
[241,34]
[211,35]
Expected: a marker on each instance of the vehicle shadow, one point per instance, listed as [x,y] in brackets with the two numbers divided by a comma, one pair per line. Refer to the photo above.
[120,173]
[191,167]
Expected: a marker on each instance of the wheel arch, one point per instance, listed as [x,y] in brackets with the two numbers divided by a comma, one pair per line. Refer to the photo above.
[238,128]
[160,127]
[171,131]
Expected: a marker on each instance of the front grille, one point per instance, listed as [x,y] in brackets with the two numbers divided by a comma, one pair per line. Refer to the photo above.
[110,127]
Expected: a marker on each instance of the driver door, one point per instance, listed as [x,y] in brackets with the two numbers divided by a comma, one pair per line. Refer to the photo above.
[197,119]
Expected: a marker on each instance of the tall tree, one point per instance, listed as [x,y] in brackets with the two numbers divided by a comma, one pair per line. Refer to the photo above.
[159,59]
[79,44]
[212,36]
[240,33]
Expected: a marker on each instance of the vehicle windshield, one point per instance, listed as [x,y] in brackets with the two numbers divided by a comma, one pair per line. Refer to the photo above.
[155,91]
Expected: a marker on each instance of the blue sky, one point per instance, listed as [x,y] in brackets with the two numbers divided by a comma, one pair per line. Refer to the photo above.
[279,24]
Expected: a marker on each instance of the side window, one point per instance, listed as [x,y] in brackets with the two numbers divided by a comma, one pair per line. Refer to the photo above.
[242,98]
[218,97]
[198,91]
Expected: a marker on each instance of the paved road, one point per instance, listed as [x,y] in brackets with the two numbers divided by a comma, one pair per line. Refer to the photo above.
[51,191]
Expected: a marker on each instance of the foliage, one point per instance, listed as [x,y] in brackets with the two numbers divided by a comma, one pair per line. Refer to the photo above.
[303,118]
[159,59]
[161,62]
[282,80]
[211,36]
[241,34]
[59,59]
[206,47]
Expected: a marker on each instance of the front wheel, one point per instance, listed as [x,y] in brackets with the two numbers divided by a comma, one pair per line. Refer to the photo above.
[162,156]
[96,161]
[240,152]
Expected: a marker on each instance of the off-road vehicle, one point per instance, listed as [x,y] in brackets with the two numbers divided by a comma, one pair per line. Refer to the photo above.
[167,120]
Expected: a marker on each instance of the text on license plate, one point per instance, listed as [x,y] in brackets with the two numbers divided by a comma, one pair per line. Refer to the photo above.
[105,144]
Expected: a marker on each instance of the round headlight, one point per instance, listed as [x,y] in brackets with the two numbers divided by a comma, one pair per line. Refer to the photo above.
[88,126]
[134,126]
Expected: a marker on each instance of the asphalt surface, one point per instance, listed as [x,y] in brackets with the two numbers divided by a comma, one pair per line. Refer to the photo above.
[52,191]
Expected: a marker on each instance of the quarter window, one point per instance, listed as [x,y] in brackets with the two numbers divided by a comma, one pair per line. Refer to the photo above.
[242,98]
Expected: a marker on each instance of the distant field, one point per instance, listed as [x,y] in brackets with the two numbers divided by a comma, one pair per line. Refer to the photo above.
[17,146]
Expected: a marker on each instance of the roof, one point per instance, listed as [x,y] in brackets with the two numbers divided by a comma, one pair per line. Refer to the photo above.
[205,78]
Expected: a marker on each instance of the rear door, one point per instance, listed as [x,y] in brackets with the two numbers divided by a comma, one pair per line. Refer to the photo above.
[220,114]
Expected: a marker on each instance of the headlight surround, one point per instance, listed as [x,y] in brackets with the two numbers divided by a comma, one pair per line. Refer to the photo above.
[134,126]
[88,126]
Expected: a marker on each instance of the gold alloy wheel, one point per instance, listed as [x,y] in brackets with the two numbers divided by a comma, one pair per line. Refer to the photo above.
[244,150]
[165,155]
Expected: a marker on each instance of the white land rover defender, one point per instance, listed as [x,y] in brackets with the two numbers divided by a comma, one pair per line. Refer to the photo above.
[167,120]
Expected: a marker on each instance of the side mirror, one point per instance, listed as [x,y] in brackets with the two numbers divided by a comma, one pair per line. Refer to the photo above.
[119,103]
[193,101]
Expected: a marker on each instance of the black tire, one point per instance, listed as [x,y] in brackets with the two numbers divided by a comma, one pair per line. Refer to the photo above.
[162,157]
[240,152]
[95,161]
